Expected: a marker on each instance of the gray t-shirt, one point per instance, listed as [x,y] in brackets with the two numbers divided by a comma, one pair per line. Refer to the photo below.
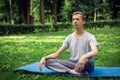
[81,46]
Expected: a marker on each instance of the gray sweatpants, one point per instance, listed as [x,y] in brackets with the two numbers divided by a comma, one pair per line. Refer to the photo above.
[64,66]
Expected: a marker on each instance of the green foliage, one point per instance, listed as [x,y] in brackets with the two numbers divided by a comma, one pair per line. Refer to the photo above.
[66,8]
[15,29]
[102,24]
[5,11]
[105,10]
[23,29]
[59,27]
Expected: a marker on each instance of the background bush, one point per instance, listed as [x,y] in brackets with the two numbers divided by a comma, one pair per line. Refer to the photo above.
[22,29]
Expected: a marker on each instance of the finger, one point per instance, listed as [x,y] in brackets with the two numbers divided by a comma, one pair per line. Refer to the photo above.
[40,66]
[79,65]
[45,63]
[82,67]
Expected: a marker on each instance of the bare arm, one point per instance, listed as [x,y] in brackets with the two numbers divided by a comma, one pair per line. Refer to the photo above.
[94,51]
[82,60]
[55,55]
[51,56]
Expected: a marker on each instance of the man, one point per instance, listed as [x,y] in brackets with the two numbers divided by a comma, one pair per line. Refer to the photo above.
[82,45]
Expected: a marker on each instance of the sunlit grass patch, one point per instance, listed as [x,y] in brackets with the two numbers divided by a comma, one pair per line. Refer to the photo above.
[19,50]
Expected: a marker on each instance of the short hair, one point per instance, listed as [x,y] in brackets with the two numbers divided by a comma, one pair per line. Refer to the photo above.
[78,12]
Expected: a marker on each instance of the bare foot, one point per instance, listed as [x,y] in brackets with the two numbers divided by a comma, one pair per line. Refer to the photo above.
[72,71]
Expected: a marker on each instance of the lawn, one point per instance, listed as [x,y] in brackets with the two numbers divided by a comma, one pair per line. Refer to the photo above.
[22,49]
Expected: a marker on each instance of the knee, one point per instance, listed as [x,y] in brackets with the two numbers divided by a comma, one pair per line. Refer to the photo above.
[49,61]
[89,66]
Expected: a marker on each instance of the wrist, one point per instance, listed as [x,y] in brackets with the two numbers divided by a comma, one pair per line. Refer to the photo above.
[84,57]
[44,57]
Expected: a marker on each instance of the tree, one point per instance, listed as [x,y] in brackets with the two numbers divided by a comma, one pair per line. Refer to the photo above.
[4,11]
[113,8]
[92,8]
[11,12]
[56,10]
[24,10]
[41,8]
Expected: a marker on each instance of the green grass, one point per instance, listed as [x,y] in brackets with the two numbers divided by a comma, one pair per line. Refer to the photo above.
[19,50]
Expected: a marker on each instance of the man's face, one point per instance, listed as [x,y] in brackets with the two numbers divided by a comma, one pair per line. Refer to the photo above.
[77,21]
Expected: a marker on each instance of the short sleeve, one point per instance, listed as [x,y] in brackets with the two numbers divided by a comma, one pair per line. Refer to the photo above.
[93,41]
[66,42]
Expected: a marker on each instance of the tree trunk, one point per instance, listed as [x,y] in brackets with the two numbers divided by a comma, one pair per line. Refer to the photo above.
[41,8]
[95,15]
[24,9]
[11,12]
[113,9]
[54,10]
[28,11]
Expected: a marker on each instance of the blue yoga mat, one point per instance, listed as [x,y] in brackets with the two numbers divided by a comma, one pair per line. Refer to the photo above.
[98,72]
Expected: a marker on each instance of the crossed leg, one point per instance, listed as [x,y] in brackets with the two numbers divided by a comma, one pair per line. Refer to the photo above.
[68,66]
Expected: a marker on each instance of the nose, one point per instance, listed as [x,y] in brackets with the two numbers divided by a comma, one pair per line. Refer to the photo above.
[75,21]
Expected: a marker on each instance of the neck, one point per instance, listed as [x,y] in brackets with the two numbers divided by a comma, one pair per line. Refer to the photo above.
[79,32]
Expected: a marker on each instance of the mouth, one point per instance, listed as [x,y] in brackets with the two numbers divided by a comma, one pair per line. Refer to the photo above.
[75,25]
